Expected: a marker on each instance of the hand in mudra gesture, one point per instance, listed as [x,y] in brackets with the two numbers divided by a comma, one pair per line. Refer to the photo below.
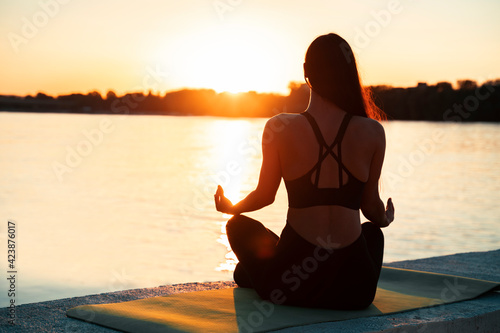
[389,211]
[222,204]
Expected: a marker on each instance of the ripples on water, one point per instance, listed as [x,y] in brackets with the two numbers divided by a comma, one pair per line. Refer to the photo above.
[135,208]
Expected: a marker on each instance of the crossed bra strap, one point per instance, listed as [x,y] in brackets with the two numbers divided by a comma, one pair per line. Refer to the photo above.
[329,148]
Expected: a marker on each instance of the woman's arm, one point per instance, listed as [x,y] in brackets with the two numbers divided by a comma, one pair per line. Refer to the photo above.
[269,179]
[371,204]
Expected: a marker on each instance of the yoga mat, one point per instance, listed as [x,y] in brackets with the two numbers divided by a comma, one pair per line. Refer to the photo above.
[241,310]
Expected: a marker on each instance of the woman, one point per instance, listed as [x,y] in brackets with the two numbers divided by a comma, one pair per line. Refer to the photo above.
[330,158]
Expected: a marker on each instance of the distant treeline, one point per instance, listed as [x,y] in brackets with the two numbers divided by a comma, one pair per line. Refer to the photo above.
[440,102]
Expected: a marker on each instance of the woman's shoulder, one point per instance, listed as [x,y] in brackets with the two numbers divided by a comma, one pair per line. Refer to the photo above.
[368,133]
[285,117]
[282,127]
[283,121]
[368,126]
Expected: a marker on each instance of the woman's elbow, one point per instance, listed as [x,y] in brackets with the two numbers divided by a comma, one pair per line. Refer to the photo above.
[268,200]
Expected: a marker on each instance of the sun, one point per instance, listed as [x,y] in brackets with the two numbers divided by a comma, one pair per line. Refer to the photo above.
[233,61]
[230,59]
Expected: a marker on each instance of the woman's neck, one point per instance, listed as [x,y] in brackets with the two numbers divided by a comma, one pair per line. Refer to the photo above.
[319,106]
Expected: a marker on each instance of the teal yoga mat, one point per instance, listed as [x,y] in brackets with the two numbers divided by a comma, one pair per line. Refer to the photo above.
[241,310]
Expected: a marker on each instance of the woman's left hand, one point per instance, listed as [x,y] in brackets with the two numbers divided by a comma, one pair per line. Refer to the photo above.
[222,204]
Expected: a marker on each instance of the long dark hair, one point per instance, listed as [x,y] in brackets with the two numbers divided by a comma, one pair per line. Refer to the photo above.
[331,72]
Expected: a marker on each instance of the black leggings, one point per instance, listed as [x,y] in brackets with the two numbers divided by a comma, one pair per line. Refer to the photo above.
[290,270]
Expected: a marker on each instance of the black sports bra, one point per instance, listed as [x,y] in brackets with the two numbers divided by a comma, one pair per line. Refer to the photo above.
[303,193]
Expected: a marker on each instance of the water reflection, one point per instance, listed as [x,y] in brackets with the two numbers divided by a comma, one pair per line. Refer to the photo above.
[229,168]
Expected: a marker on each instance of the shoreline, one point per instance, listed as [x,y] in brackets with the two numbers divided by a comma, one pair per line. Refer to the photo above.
[479,313]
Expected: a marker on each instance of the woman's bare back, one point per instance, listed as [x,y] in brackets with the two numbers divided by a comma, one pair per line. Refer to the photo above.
[331,225]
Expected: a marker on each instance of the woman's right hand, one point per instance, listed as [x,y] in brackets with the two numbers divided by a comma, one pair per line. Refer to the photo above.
[222,204]
[389,211]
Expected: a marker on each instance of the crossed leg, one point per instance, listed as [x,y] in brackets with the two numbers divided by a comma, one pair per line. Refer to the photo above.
[253,245]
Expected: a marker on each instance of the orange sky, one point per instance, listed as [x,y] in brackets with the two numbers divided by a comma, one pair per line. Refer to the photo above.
[64,46]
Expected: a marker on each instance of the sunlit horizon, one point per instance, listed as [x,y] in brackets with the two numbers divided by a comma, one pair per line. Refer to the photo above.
[233,91]
[63,47]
